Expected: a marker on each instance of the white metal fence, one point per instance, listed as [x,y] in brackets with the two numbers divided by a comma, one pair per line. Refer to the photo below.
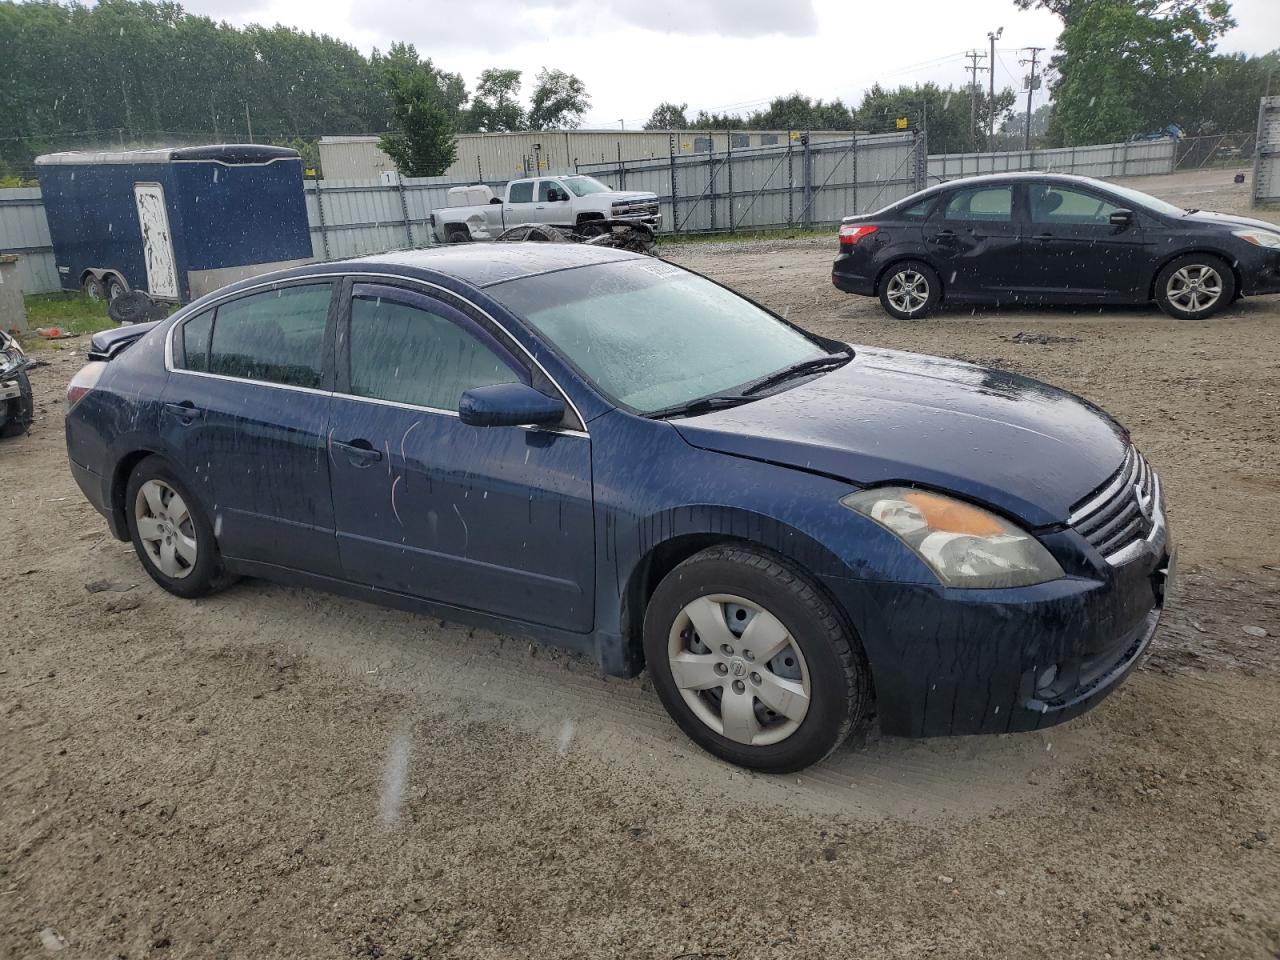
[1266,158]
[796,184]
[1137,159]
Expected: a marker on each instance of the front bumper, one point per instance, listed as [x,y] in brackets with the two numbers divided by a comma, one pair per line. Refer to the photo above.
[948,662]
[1259,271]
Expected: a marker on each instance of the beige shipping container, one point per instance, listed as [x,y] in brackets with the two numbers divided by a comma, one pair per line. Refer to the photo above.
[504,156]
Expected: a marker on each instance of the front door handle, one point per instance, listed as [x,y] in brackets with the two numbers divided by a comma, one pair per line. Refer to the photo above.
[360,452]
[185,411]
[944,236]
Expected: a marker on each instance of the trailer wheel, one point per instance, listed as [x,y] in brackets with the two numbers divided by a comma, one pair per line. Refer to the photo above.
[93,287]
[459,235]
[116,287]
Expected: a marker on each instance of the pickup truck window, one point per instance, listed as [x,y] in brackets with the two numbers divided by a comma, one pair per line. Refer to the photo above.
[521,192]
[585,185]
[551,191]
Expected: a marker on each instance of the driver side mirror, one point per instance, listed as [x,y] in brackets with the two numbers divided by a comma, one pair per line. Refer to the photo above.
[1121,218]
[509,405]
[558,196]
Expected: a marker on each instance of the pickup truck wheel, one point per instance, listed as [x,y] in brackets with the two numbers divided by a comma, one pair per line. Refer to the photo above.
[459,235]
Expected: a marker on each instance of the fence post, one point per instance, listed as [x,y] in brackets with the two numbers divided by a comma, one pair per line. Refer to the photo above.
[1124,159]
[854,152]
[675,208]
[728,144]
[622,171]
[922,147]
[806,170]
[791,186]
[324,234]
[711,175]
[404,207]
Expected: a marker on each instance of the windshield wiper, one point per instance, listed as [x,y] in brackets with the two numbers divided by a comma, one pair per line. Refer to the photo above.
[799,370]
[1193,209]
[701,405]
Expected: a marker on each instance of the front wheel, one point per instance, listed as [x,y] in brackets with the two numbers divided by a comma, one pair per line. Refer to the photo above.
[171,533]
[752,661]
[910,290]
[1195,287]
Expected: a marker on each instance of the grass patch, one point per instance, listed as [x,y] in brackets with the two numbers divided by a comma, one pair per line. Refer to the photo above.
[70,312]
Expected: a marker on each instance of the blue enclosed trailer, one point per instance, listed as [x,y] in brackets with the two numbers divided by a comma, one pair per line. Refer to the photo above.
[175,222]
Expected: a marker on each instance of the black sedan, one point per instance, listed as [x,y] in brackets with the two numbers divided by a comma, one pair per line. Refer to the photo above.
[1038,238]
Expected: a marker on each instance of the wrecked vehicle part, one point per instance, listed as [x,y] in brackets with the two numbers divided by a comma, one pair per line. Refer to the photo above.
[17,405]
[617,234]
[625,459]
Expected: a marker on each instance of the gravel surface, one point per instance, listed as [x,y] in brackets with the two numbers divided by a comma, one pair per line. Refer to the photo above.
[275,772]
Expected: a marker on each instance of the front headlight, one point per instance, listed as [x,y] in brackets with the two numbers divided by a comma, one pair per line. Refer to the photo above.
[964,545]
[1259,238]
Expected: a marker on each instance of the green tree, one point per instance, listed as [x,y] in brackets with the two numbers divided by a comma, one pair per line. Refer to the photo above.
[668,116]
[1130,66]
[945,111]
[797,112]
[559,101]
[425,107]
[718,121]
[496,102]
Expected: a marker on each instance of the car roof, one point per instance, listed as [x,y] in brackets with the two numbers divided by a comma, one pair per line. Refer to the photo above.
[474,264]
[1023,176]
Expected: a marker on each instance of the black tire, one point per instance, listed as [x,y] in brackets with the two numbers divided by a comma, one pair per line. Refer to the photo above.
[22,409]
[93,288]
[839,679]
[206,575]
[116,288]
[1195,266]
[927,277]
[459,235]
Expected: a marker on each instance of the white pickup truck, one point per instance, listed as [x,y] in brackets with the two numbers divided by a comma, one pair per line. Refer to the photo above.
[569,202]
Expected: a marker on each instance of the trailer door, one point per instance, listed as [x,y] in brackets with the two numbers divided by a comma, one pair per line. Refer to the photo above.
[157,242]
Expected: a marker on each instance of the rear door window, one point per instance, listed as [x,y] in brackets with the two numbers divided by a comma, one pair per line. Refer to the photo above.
[990,204]
[521,192]
[407,348]
[195,342]
[276,336]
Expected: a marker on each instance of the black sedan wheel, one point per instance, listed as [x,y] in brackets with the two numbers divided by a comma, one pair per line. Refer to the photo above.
[752,661]
[1195,287]
[171,533]
[910,290]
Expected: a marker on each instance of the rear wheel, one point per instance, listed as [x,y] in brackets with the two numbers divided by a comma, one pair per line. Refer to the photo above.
[93,287]
[459,235]
[171,533]
[752,661]
[1195,287]
[910,290]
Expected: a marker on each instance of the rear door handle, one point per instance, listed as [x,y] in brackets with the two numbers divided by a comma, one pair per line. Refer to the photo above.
[1043,236]
[359,451]
[185,411]
[944,236]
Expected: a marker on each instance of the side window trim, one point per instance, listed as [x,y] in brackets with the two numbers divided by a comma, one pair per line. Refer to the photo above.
[177,345]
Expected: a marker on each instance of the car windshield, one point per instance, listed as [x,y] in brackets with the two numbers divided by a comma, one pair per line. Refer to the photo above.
[1137,198]
[651,335]
[584,185]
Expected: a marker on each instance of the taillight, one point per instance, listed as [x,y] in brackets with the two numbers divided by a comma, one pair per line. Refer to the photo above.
[86,379]
[851,233]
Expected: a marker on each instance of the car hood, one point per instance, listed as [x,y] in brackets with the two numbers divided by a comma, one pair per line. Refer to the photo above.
[619,195]
[1230,221]
[1026,448]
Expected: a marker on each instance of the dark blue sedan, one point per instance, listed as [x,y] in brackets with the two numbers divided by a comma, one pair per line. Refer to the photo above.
[626,459]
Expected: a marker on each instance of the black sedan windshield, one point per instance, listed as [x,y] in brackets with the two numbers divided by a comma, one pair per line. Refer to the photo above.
[652,336]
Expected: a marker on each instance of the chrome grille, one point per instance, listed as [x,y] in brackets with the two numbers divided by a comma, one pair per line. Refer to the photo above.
[1123,511]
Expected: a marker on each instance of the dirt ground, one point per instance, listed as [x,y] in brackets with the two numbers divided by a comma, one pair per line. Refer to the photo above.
[275,772]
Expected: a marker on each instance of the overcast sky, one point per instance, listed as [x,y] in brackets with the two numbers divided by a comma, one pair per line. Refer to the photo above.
[710,54]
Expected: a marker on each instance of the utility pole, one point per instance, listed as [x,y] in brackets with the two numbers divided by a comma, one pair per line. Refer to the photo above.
[991,103]
[973,56]
[247,122]
[1032,83]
